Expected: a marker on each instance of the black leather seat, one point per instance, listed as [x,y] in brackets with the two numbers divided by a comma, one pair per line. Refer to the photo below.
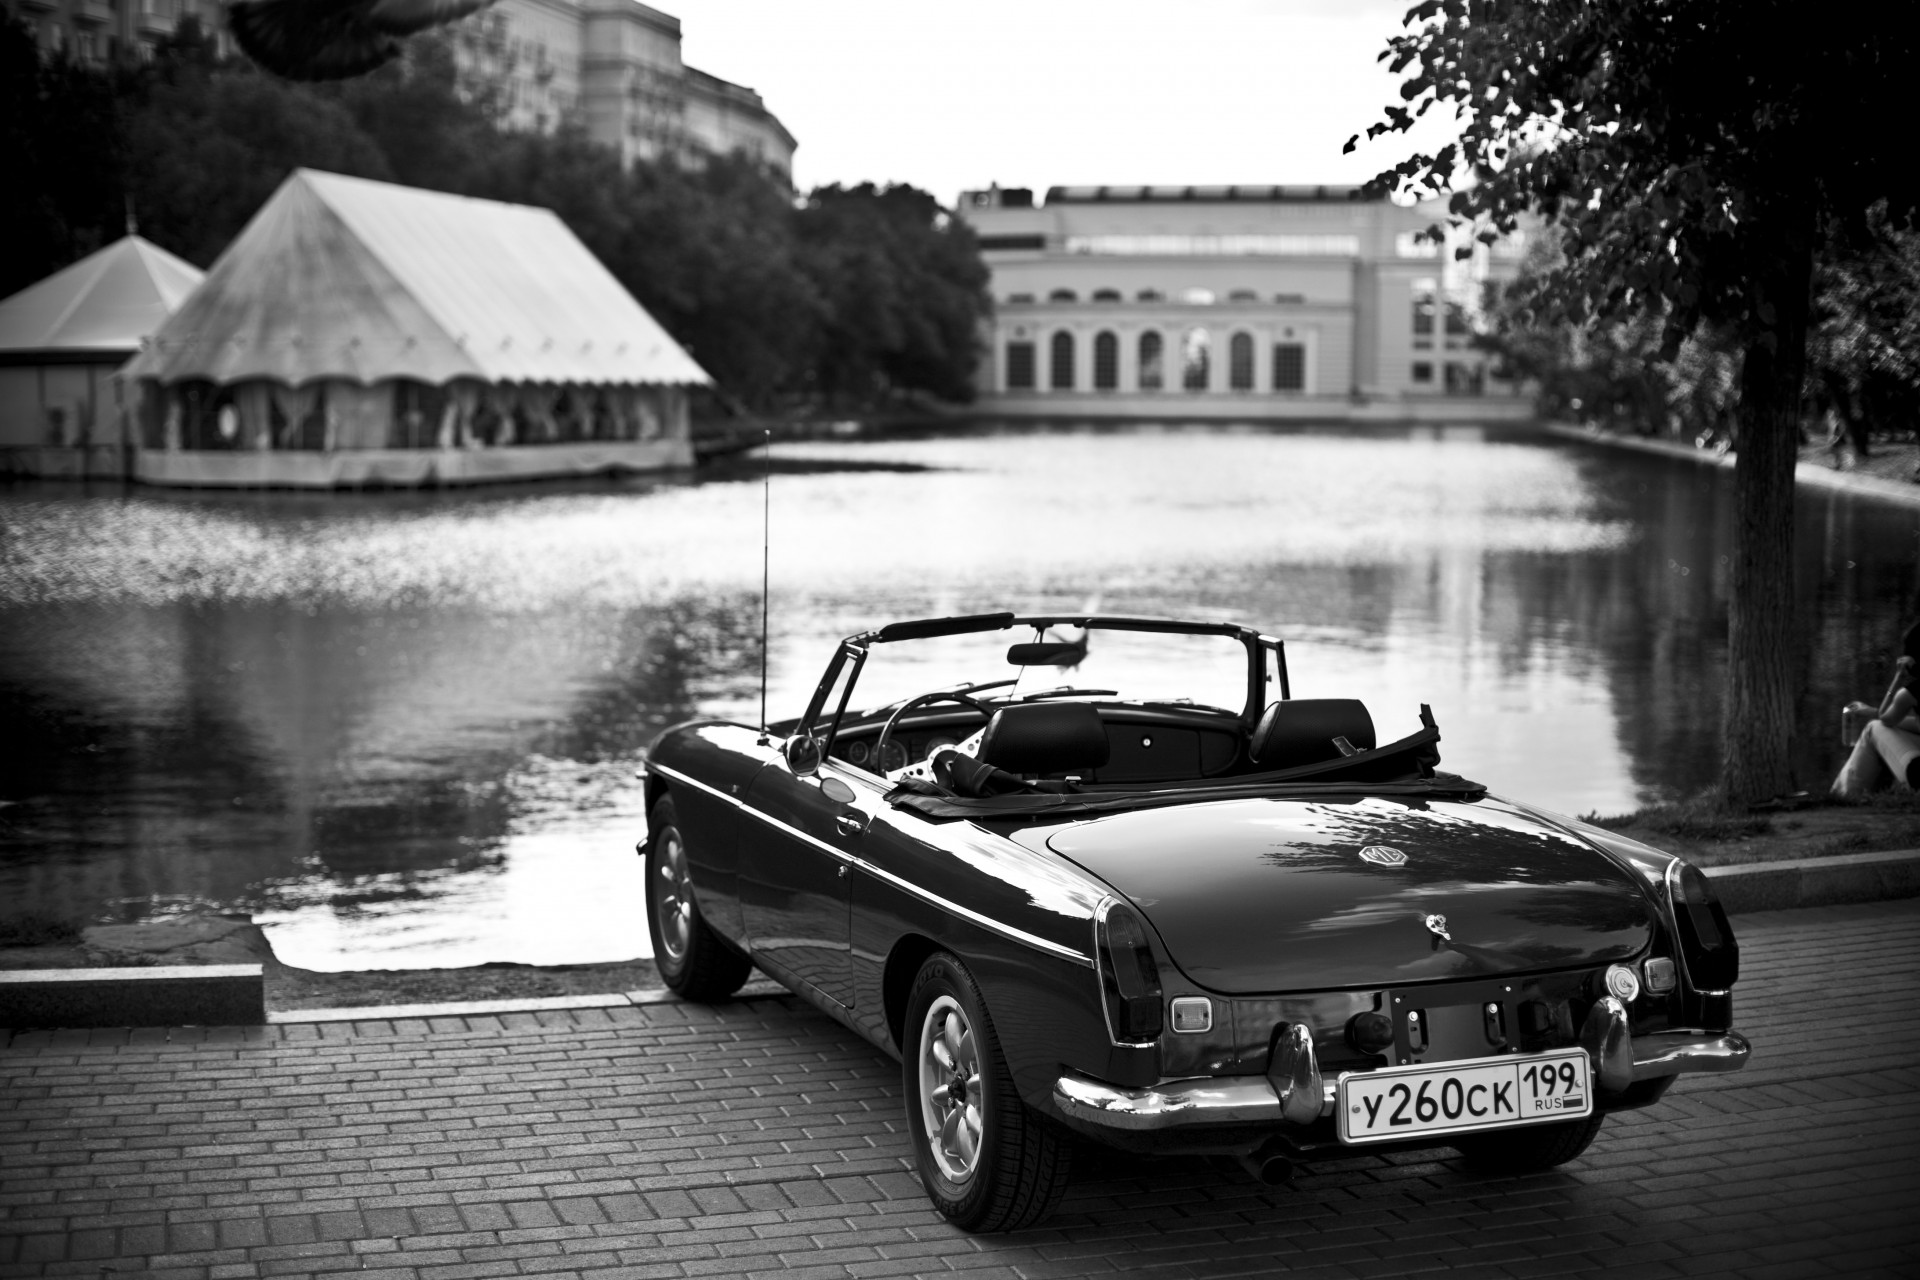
[1302,731]
[1045,738]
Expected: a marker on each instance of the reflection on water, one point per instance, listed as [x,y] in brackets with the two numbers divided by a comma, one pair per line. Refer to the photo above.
[402,728]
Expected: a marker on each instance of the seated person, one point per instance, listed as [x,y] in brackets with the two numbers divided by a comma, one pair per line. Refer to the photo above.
[1890,745]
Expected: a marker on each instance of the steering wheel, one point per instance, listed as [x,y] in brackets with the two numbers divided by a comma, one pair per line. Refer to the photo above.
[921,700]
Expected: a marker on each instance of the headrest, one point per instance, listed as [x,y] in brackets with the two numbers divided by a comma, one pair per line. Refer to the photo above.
[1302,730]
[1045,737]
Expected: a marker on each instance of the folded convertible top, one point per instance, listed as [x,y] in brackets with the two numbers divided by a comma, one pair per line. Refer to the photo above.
[1402,768]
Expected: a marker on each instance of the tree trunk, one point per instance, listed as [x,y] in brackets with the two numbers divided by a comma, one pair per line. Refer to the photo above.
[1758,736]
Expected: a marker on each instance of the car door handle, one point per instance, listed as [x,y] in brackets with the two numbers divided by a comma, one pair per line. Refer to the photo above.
[850,823]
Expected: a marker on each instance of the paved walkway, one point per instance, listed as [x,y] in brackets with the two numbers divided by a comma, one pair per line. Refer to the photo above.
[761,1139]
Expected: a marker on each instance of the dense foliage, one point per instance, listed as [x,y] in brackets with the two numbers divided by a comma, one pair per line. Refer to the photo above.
[847,297]
[1691,156]
[1863,352]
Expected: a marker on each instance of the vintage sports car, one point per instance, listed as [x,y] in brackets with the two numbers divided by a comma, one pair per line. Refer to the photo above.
[1104,876]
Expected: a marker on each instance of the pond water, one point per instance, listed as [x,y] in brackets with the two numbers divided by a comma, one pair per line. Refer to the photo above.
[401,729]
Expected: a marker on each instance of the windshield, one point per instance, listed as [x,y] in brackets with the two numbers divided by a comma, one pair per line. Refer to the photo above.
[1143,666]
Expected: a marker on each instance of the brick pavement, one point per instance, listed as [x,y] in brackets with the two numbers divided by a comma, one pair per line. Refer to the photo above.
[759,1138]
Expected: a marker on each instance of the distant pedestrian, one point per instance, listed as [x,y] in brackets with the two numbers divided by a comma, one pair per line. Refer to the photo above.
[1890,742]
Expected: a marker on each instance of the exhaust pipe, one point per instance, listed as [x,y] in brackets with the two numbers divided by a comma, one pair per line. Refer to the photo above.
[1268,1170]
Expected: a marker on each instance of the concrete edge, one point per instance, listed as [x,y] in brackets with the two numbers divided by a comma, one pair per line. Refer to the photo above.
[1807,473]
[195,995]
[756,990]
[1817,882]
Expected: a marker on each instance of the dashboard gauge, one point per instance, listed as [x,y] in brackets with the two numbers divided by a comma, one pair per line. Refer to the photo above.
[894,757]
[857,752]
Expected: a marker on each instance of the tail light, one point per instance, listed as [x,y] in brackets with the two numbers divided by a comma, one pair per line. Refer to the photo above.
[1710,956]
[1129,978]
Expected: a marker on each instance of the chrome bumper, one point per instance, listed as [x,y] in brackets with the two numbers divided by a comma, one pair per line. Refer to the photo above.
[1175,1104]
[1618,1061]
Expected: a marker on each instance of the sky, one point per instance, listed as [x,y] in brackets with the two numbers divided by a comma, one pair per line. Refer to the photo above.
[1040,93]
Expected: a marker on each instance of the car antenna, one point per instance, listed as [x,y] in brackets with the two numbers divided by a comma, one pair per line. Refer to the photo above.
[766,572]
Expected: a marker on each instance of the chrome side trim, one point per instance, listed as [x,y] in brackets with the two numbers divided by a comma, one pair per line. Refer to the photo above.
[1006,931]
[695,783]
[1669,1053]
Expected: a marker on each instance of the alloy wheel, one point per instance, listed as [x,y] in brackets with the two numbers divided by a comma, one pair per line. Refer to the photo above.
[950,1089]
[673,896]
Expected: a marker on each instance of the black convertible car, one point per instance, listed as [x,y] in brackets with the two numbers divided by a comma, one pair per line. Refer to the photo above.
[1105,875]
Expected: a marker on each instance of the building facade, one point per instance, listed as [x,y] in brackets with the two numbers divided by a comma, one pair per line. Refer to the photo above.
[615,65]
[1278,301]
[98,32]
[612,64]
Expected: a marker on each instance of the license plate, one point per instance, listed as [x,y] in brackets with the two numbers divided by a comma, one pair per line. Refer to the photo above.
[1455,1097]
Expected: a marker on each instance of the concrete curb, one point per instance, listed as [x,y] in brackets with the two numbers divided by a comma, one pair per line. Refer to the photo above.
[1817,882]
[1807,473]
[187,995]
[756,990]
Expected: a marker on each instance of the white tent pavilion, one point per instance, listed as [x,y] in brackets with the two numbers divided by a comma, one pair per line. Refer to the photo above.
[358,332]
[61,341]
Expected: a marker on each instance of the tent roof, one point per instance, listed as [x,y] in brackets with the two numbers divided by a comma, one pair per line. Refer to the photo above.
[107,302]
[347,278]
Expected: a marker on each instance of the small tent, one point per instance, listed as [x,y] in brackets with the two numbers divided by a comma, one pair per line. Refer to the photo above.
[61,341]
[358,332]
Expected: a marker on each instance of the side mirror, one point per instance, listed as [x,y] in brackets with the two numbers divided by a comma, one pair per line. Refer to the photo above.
[802,754]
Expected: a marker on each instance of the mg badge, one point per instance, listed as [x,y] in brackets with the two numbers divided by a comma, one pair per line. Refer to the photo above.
[1382,855]
[1437,926]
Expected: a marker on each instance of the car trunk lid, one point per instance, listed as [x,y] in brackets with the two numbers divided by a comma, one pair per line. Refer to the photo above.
[1264,895]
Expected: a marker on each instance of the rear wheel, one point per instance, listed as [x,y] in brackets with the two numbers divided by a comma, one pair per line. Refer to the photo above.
[987,1162]
[1529,1150]
[692,958]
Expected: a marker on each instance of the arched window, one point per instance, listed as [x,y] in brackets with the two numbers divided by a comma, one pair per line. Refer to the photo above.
[1061,378]
[1019,298]
[1063,295]
[1243,295]
[1150,295]
[1196,359]
[1240,362]
[1106,295]
[1019,366]
[1152,370]
[1106,362]
[1199,297]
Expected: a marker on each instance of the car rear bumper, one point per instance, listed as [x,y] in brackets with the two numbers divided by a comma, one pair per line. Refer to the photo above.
[1619,1061]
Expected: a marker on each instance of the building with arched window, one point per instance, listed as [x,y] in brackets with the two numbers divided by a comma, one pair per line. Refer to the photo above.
[1238,301]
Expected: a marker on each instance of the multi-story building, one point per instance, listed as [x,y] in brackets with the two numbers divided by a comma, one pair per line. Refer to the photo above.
[103,31]
[613,64]
[1265,300]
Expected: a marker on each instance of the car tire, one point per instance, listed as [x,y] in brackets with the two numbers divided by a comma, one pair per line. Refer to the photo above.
[987,1161]
[1531,1149]
[693,960]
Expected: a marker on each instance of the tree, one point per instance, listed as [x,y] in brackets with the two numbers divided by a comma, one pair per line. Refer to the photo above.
[905,291]
[1865,347]
[1690,154]
[60,151]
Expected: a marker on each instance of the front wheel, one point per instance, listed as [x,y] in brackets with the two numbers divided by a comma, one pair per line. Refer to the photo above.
[987,1162]
[1532,1149]
[692,958]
